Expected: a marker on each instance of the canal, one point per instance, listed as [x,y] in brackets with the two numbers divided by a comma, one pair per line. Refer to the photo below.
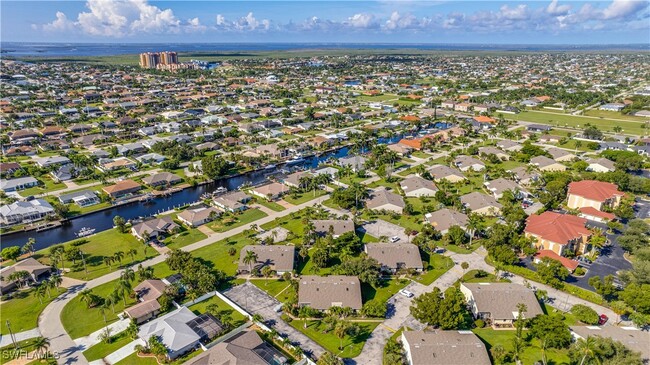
[103,220]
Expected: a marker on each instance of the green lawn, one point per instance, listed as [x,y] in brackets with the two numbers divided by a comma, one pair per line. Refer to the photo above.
[472,277]
[405,221]
[201,307]
[227,223]
[217,253]
[271,205]
[532,352]
[48,185]
[438,265]
[387,289]
[134,359]
[382,97]
[352,346]
[578,122]
[613,115]
[102,349]
[23,309]
[303,197]
[185,237]
[79,320]
[464,250]
[99,246]
[273,287]
[9,353]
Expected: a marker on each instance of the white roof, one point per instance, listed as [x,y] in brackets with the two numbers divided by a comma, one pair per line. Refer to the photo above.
[172,329]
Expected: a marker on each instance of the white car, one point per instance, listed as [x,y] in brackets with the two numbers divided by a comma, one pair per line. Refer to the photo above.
[394,239]
[406,293]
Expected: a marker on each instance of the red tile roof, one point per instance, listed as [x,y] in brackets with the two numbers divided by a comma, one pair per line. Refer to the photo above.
[594,190]
[568,263]
[593,212]
[556,227]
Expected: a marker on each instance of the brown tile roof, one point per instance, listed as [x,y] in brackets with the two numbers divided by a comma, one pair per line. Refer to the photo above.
[325,292]
[445,348]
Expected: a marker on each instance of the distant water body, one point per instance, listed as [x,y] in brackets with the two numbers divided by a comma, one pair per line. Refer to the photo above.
[19,49]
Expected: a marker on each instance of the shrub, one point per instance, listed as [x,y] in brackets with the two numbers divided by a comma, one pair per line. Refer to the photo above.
[585,314]
[579,271]
[479,323]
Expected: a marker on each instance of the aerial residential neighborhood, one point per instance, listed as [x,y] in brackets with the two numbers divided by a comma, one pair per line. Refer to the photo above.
[325,207]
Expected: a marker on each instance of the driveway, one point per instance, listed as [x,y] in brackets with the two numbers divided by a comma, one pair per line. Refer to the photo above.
[378,228]
[256,301]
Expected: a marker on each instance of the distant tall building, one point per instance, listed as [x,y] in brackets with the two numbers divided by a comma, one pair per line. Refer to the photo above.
[153,59]
[168,58]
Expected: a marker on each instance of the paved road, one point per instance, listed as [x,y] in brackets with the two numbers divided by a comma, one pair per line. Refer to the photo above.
[50,320]
[254,300]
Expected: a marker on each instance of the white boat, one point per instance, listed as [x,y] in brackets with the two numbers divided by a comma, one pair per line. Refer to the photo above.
[269,167]
[85,231]
[221,190]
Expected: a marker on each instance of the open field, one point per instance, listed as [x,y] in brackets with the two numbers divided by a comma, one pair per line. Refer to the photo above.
[578,122]
[98,247]
[23,309]
[352,346]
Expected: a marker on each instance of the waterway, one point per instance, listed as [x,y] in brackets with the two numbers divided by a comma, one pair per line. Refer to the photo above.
[103,220]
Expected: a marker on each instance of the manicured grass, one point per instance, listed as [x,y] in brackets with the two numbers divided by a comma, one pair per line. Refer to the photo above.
[405,221]
[99,246]
[613,115]
[578,122]
[438,265]
[227,223]
[352,346]
[272,286]
[102,349]
[134,359]
[472,277]
[382,97]
[79,320]
[8,353]
[48,186]
[304,197]
[532,352]
[420,154]
[387,289]
[23,309]
[271,205]
[464,250]
[185,237]
[201,307]
[77,210]
[217,253]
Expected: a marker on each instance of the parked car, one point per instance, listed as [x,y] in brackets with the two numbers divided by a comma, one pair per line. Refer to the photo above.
[406,293]
[394,239]
[602,320]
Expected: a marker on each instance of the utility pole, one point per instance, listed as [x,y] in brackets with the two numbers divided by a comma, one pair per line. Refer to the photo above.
[11,335]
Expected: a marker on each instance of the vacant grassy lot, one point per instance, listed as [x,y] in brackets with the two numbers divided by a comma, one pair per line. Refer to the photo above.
[79,320]
[578,122]
[271,205]
[387,289]
[273,287]
[48,185]
[613,115]
[99,246]
[186,237]
[23,309]
[102,349]
[438,265]
[201,307]
[352,346]
[229,222]
[303,197]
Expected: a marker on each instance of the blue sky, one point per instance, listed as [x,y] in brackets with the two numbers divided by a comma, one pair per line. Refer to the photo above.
[343,21]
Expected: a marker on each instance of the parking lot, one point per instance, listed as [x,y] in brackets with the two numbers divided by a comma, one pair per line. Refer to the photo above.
[380,228]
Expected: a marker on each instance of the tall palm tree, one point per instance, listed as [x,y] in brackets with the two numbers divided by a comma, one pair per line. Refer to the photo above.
[474,224]
[128,274]
[132,252]
[29,246]
[56,279]
[118,256]
[587,348]
[341,330]
[106,305]
[86,296]
[39,292]
[250,259]
[41,344]
[124,288]
[108,261]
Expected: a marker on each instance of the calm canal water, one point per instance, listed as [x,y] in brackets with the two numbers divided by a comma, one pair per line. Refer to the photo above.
[103,220]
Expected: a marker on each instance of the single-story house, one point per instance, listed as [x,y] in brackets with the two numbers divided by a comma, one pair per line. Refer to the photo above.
[83,198]
[162,179]
[245,348]
[338,226]
[444,348]
[496,303]
[467,163]
[600,165]
[325,292]
[233,201]
[122,188]
[544,163]
[155,227]
[481,204]
[382,199]
[19,183]
[25,211]
[278,257]
[442,172]
[271,191]
[395,256]
[416,186]
[35,269]
[444,219]
[198,216]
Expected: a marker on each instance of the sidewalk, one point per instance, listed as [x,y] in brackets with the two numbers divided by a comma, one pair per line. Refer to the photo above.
[5,340]
[123,352]
[94,338]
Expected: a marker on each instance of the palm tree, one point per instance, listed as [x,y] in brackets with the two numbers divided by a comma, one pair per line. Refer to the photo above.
[87,296]
[132,252]
[118,256]
[124,288]
[108,261]
[304,313]
[128,274]
[517,349]
[341,330]
[40,292]
[250,259]
[29,246]
[41,344]
[56,279]
[474,224]
[587,348]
